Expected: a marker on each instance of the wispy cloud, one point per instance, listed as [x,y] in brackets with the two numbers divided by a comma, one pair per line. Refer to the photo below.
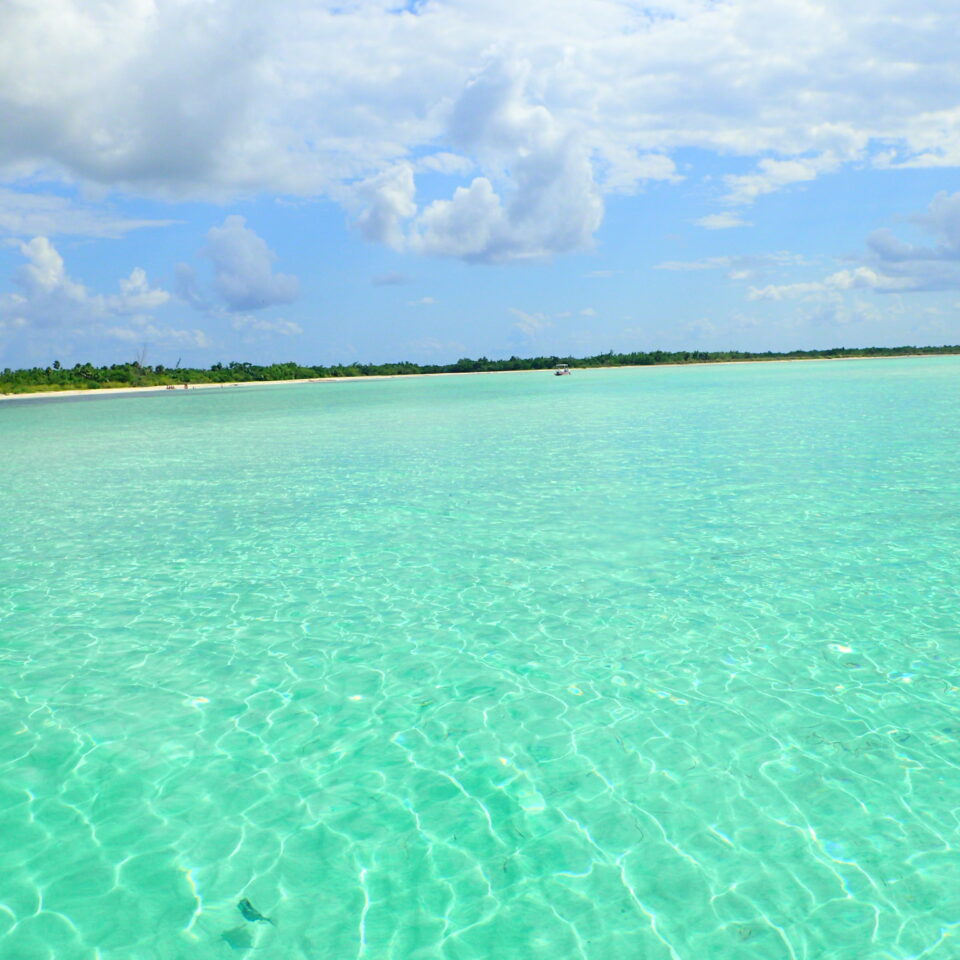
[530,324]
[28,214]
[773,175]
[390,280]
[890,265]
[283,328]
[142,330]
[431,346]
[722,221]
[862,278]
[741,266]
[448,163]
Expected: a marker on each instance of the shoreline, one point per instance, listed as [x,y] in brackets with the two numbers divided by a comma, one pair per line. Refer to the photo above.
[125,391]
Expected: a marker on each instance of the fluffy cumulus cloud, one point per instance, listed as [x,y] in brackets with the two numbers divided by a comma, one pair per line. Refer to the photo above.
[923,267]
[47,299]
[551,202]
[243,269]
[538,195]
[388,200]
[48,296]
[538,109]
[891,265]
[137,294]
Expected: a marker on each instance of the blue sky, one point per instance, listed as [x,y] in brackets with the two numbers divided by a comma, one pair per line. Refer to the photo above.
[216,180]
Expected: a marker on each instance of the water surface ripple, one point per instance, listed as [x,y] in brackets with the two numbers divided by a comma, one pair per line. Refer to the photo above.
[655,663]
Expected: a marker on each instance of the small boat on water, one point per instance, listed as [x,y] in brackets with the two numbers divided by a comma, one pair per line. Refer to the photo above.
[562,370]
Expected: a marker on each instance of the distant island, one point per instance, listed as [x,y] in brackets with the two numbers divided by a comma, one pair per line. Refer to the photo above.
[85,376]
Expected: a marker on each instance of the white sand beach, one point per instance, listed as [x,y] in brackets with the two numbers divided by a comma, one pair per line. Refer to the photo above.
[120,391]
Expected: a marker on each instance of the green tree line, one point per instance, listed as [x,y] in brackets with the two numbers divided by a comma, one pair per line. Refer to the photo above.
[85,376]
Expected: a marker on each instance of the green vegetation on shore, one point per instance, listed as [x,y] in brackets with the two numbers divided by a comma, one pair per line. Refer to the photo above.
[85,376]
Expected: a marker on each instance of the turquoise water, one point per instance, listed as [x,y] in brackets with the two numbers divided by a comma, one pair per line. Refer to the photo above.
[651,663]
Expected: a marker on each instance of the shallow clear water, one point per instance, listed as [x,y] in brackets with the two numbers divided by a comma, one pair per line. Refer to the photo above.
[653,663]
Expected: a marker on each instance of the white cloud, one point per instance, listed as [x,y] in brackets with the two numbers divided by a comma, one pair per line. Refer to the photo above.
[530,323]
[137,294]
[388,200]
[933,141]
[312,97]
[143,330]
[550,202]
[448,163]
[44,273]
[24,214]
[545,200]
[861,278]
[722,221]
[243,268]
[836,311]
[465,226]
[284,328]
[422,302]
[739,267]
[49,297]
[891,265]
[785,291]
[772,175]
[623,168]
[942,221]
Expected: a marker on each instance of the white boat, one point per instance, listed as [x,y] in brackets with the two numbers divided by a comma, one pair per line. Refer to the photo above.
[562,370]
